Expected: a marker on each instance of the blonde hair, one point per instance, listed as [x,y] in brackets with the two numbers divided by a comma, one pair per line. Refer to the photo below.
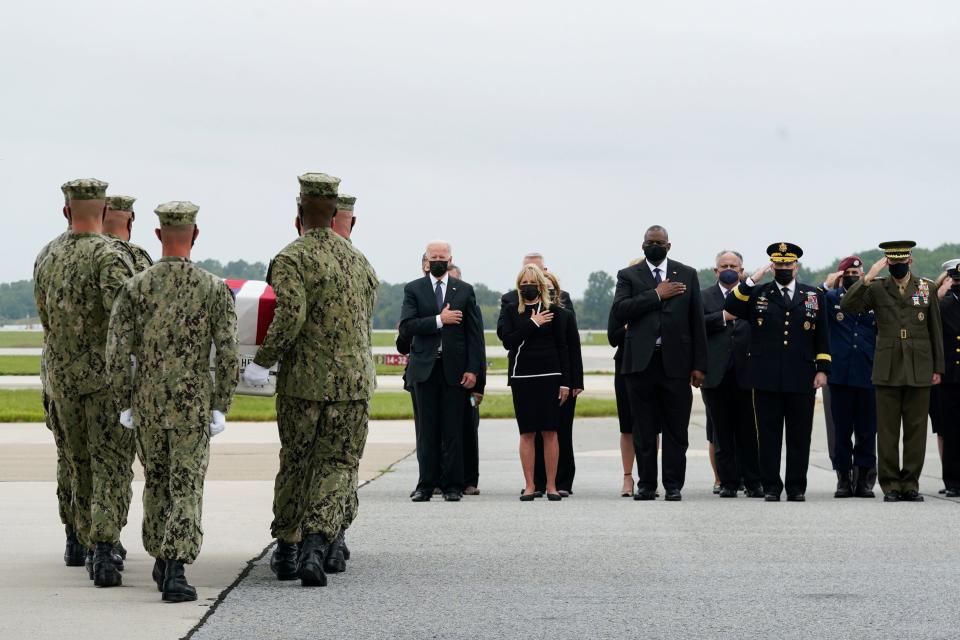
[940,279]
[541,282]
[556,287]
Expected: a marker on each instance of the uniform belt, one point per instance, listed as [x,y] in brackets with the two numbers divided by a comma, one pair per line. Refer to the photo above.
[903,334]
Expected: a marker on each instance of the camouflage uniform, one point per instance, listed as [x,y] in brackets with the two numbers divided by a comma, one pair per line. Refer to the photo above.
[64,490]
[141,261]
[74,288]
[167,317]
[326,290]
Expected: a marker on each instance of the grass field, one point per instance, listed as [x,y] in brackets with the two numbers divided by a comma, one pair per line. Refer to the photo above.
[19,365]
[595,339]
[30,366]
[23,405]
[21,339]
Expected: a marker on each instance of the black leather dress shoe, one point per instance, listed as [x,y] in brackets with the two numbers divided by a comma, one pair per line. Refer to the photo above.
[952,493]
[645,494]
[421,495]
[673,495]
[891,496]
[771,497]
[844,485]
[796,497]
[313,552]
[754,492]
[727,492]
[452,496]
[911,496]
[175,587]
[283,562]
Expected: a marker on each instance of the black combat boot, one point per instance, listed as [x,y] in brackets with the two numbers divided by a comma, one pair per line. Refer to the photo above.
[120,550]
[105,573]
[864,480]
[343,545]
[844,488]
[283,562]
[159,572]
[88,562]
[116,556]
[175,587]
[335,562]
[313,551]
[74,554]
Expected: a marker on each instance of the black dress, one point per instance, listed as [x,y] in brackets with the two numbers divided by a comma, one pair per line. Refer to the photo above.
[539,364]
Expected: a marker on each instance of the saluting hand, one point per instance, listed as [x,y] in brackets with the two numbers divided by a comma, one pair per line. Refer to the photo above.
[667,289]
[449,316]
[833,279]
[762,271]
[875,270]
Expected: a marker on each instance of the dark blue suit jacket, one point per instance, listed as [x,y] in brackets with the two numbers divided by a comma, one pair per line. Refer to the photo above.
[853,339]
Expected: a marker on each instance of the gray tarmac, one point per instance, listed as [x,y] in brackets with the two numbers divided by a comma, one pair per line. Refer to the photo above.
[600,566]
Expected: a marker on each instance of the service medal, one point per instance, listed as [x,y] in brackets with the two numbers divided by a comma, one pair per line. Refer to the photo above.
[920,316]
[839,316]
[759,322]
[806,326]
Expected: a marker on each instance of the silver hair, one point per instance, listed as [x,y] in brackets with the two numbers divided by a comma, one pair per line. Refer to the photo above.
[725,251]
[533,255]
[444,243]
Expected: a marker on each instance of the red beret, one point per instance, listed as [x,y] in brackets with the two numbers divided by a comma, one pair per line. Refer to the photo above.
[850,262]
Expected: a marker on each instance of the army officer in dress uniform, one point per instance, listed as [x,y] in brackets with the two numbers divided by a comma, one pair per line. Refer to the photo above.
[908,361]
[789,361]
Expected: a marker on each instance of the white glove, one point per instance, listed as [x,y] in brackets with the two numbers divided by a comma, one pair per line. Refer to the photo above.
[218,424]
[126,418]
[255,375]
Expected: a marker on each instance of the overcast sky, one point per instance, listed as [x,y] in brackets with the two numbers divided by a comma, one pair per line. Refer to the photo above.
[504,127]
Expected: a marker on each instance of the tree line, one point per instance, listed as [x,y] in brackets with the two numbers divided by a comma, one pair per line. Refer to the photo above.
[16,298]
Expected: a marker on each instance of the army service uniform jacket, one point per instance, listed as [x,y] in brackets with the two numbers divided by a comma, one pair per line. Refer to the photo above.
[789,342]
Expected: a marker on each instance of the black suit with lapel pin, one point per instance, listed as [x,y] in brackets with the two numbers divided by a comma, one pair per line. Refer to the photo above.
[439,356]
[664,343]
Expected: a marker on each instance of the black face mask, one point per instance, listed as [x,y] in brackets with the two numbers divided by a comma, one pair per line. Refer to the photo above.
[530,292]
[783,276]
[899,270]
[849,281]
[654,253]
[438,268]
[955,287]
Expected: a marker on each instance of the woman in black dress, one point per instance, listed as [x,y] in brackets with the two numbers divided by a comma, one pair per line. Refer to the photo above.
[538,375]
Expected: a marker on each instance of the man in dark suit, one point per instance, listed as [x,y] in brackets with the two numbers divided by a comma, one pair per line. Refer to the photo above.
[789,361]
[665,351]
[727,389]
[566,465]
[471,420]
[441,319]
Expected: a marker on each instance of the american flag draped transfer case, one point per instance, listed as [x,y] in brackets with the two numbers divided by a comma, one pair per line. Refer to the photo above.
[255,303]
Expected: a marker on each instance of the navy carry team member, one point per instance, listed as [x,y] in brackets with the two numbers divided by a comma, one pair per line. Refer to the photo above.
[789,361]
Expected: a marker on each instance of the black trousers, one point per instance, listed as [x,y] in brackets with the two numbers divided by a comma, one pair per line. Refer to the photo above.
[949,393]
[855,427]
[440,432]
[776,411]
[566,465]
[730,408]
[471,445]
[655,401]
